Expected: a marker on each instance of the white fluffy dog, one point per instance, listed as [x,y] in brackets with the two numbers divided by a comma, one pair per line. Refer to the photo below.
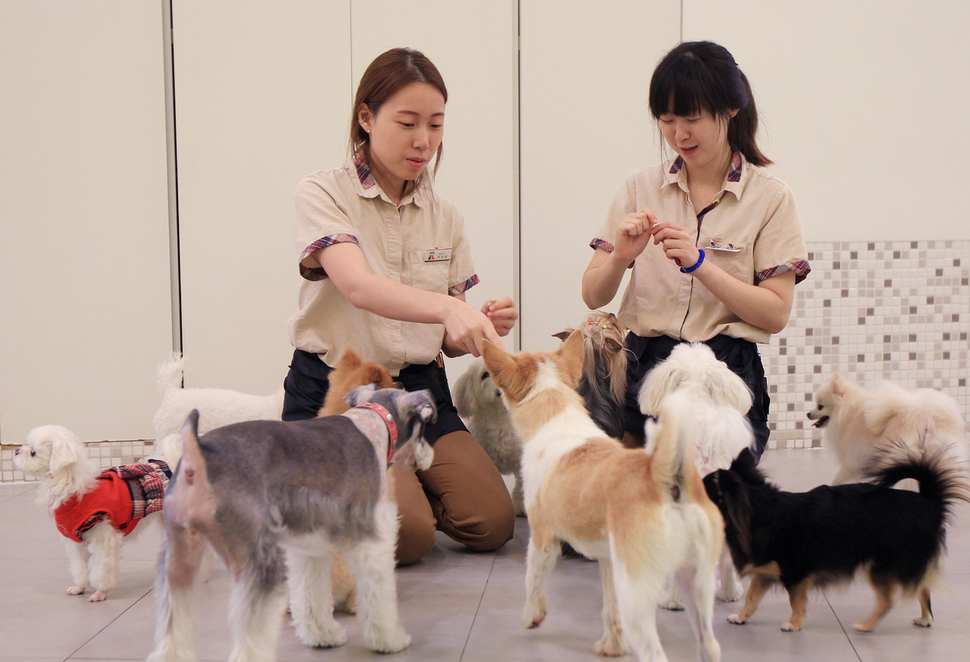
[479,403]
[858,419]
[722,431]
[93,509]
[217,406]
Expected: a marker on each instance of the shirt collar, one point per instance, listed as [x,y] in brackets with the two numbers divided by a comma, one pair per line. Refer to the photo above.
[367,186]
[674,173]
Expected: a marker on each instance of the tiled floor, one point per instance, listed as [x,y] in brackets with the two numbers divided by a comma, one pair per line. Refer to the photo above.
[460,606]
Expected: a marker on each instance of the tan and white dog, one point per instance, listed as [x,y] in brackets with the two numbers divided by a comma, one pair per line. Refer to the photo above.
[642,513]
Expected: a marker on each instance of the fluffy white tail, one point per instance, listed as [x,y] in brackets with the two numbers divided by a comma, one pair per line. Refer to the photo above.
[670,441]
[170,374]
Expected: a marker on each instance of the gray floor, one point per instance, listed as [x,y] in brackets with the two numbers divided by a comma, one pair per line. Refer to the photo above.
[458,605]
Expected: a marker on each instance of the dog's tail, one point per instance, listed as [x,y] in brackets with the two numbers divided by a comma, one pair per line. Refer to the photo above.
[940,470]
[894,412]
[670,442]
[170,373]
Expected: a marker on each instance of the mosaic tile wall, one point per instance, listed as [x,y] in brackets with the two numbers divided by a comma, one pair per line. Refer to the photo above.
[880,310]
[105,453]
[897,311]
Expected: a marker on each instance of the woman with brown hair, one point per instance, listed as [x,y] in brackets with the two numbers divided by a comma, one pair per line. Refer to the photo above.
[385,264]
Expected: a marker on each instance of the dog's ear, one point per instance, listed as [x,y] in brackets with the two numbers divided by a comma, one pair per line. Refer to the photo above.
[359,395]
[349,361]
[572,351]
[499,363]
[732,500]
[64,453]
[727,388]
[661,381]
[838,383]
[425,405]
[562,335]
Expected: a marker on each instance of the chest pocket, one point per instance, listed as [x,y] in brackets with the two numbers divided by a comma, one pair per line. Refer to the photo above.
[429,276]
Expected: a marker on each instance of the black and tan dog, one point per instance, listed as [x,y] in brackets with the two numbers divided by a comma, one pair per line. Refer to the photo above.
[815,538]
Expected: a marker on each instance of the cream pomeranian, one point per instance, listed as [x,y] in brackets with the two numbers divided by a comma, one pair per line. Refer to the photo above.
[859,419]
[93,509]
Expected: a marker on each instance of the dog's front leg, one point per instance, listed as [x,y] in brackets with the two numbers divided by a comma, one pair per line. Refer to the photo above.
[611,645]
[540,560]
[311,599]
[372,562]
[105,545]
[730,588]
[759,586]
[78,556]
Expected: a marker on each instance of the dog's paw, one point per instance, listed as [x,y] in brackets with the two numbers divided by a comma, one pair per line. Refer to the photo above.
[533,615]
[861,627]
[611,645]
[98,596]
[381,640]
[672,604]
[737,619]
[321,635]
[788,626]
[923,622]
[74,590]
[730,592]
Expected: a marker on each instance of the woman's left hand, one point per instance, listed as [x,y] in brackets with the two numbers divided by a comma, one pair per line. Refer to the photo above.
[677,244]
[502,314]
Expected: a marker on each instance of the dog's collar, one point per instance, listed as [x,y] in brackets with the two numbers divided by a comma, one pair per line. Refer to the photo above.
[388,421]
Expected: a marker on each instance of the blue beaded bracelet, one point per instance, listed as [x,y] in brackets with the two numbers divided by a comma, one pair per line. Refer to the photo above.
[697,264]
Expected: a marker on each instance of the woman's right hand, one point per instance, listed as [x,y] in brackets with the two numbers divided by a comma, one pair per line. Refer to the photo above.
[633,235]
[465,327]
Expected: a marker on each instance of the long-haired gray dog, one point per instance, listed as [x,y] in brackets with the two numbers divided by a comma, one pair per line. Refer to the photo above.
[276,498]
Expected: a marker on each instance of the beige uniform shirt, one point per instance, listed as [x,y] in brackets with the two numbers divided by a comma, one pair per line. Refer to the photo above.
[753,233]
[420,243]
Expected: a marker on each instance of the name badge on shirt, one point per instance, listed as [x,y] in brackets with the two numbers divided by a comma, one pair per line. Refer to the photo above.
[718,244]
[437,255]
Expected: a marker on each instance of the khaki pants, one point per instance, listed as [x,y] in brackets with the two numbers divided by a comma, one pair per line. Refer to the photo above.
[462,494]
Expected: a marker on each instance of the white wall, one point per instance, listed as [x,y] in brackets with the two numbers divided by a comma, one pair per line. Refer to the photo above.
[84,278]
[863,110]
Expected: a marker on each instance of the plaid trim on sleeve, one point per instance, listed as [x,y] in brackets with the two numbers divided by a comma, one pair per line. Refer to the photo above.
[461,288]
[801,268]
[601,243]
[317,273]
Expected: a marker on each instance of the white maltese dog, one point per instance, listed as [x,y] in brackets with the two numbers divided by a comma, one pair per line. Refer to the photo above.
[217,407]
[479,403]
[722,429]
[93,509]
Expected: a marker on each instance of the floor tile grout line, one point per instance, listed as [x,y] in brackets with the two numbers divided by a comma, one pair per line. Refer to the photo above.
[72,658]
[477,608]
[844,631]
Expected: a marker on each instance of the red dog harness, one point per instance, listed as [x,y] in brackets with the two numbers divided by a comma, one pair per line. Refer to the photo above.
[388,421]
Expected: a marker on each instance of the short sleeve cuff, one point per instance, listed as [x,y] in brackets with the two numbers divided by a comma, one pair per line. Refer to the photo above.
[317,273]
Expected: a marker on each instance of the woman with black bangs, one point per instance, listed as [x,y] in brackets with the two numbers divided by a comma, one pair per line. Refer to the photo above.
[727,246]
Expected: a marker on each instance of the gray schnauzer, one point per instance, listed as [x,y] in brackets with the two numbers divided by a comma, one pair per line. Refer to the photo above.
[277,500]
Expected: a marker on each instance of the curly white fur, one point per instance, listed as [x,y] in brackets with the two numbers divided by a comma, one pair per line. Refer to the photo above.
[217,407]
[60,459]
[721,401]
[479,403]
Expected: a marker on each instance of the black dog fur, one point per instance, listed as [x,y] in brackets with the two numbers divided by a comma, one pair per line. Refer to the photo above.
[811,539]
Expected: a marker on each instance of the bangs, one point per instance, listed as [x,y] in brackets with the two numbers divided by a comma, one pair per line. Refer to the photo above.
[686,87]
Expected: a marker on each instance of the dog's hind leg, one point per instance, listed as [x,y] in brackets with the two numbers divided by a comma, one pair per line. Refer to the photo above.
[697,586]
[611,645]
[884,601]
[730,588]
[311,600]
[175,594]
[256,607]
[637,600]
[78,556]
[372,562]
[105,545]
